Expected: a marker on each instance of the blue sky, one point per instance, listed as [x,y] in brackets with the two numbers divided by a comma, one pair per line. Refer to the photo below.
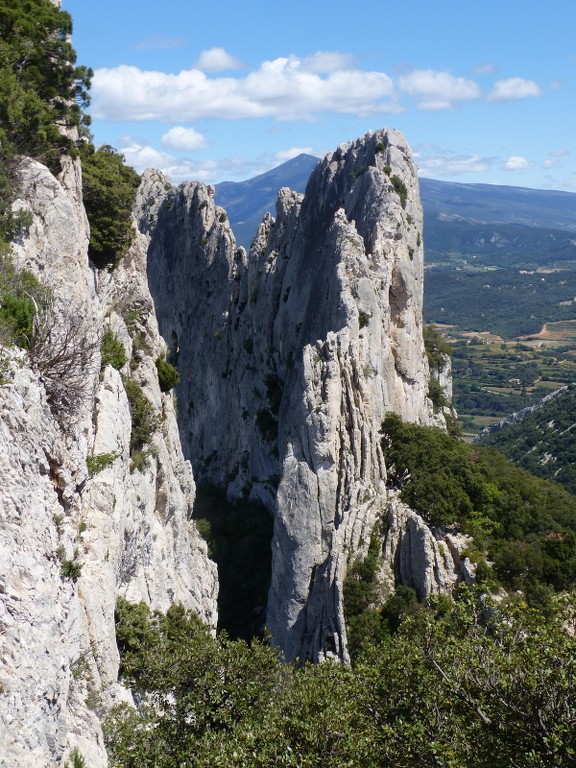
[485,92]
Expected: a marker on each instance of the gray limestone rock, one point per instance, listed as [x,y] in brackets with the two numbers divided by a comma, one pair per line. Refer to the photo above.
[292,355]
[70,543]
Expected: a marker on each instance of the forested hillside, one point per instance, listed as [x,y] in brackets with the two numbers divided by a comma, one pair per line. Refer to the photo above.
[543,442]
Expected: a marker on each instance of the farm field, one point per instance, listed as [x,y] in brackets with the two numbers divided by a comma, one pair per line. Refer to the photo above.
[492,377]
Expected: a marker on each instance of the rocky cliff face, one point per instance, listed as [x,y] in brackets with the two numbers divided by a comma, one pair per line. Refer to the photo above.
[70,543]
[292,355]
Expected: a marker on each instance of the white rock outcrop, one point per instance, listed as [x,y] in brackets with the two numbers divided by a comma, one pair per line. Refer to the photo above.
[291,357]
[428,560]
[71,543]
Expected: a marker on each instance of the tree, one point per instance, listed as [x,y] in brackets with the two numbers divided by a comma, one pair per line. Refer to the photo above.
[460,682]
[43,92]
[42,95]
[109,188]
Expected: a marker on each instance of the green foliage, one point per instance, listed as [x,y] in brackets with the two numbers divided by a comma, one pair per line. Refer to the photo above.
[543,442]
[40,85]
[437,350]
[436,394]
[99,461]
[460,683]
[112,350]
[363,319]
[42,93]
[525,525]
[21,294]
[509,302]
[145,419]
[168,376]
[360,586]
[109,189]
[75,759]
[70,568]
[494,379]
[400,188]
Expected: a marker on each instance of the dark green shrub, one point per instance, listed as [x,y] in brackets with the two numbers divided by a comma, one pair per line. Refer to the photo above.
[436,394]
[112,350]
[145,419]
[168,376]
[41,89]
[70,568]
[109,190]
[21,295]
[363,319]
[75,759]
[99,461]
[360,583]
[520,523]
[437,350]
[400,188]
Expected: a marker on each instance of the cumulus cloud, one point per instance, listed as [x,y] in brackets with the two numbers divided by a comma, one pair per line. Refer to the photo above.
[438,90]
[217,60]
[322,62]
[514,88]
[282,89]
[183,139]
[287,88]
[516,163]
[140,156]
[288,154]
[451,165]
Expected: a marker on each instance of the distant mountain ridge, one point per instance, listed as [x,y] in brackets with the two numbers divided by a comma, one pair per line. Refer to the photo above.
[454,213]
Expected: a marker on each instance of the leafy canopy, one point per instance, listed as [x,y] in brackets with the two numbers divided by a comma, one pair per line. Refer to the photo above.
[109,188]
[461,683]
[42,91]
[523,524]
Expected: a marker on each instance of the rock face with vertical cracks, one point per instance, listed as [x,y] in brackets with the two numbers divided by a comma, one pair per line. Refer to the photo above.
[80,524]
[291,357]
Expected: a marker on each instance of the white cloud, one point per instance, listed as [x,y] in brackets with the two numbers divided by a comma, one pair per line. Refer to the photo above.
[160,42]
[288,154]
[452,165]
[183,139]
[438,90]
[283,89]
[323,62]
[141,156]
[516,163]
[554,158]
[514,88]
[485,69]
[217,60]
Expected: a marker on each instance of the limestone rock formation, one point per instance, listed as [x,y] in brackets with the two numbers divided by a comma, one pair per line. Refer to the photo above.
[429,561]
[292,355]
[71,542]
